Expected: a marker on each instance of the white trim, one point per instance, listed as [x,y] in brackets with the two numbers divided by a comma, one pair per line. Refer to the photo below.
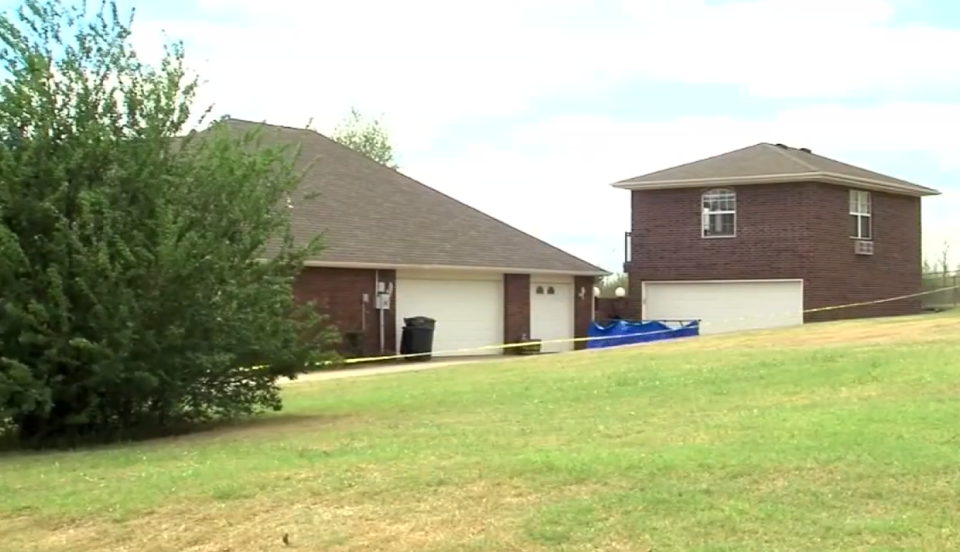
[593,310]
[553,279]
[856,213]
[737,281]
[450,275]
[497,270]
[643,287]
[705,215]
[815,176]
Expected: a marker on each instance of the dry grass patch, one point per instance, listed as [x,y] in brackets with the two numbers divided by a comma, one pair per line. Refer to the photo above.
[772,441]
[887,331]
[446,519]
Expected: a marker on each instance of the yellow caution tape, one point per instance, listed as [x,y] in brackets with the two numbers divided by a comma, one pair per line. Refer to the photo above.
[505,346]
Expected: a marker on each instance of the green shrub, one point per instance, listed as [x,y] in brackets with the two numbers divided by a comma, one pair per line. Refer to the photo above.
[135,290]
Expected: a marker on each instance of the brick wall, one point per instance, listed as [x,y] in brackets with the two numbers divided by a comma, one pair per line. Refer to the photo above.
[894,269]
[783,231]
[608,307]
[516,307]
[582,307]
[338,293]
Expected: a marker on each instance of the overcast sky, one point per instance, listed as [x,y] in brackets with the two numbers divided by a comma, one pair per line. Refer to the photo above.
[548,102]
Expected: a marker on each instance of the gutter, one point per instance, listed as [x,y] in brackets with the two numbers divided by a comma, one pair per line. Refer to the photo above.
[825,177]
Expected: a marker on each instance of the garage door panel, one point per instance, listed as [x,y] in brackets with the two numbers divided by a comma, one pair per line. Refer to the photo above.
[551,315]
[726,306]
[469,313]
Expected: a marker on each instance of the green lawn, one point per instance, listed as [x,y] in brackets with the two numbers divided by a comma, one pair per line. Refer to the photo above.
[841,436]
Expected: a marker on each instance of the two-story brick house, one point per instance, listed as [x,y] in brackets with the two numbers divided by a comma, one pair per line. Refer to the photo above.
[755,237]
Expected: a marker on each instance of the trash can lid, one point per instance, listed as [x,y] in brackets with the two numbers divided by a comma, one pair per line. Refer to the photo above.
[419,321]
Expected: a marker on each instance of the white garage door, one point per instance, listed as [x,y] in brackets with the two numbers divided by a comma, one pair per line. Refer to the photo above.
[469,313]
[551,315]
[726,306]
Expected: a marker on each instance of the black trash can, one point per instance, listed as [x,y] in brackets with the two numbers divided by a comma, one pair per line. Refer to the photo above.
[417,338]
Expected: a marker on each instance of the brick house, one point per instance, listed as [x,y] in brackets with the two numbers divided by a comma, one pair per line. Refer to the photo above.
[396,248]
[752,238]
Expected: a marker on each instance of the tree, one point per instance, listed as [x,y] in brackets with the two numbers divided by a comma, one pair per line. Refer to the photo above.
[609,284]
[367,136]
[135,290]
[940,275]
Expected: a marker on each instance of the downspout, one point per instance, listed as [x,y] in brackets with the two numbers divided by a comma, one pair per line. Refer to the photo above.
[376,303]
[363,314]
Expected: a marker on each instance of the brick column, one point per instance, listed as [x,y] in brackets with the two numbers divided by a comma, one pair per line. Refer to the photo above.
[582,307]
[516,307]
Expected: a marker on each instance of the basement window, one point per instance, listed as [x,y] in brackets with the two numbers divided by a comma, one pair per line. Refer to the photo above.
[719,213]
[861,215]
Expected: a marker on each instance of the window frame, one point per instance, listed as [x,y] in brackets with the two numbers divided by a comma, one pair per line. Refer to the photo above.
[705,214]
[855,207]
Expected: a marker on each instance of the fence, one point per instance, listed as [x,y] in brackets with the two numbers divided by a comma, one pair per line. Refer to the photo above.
[612,308]
[945,299]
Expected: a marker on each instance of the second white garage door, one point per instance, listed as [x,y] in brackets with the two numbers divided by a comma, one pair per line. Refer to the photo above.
[726,306]
[469,313]
[551,315]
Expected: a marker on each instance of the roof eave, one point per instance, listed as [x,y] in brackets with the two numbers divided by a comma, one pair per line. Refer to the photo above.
[828,177]
[488,269]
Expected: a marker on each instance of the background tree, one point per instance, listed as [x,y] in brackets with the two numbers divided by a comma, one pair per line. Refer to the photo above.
[939,274]
[134,292]
[609,284]
[367,136]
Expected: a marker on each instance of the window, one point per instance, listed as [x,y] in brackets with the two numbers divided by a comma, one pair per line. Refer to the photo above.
[550,290]
[719,213]
[861,221]
[539,290]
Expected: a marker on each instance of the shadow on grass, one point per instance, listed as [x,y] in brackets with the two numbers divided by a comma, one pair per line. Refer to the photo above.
[268,423]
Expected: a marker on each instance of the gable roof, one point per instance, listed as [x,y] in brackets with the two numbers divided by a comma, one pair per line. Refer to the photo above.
[373,216]
[770,164]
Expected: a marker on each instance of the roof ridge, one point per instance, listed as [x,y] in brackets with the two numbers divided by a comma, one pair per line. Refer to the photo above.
[632,178]
[451,198]
[491,217]
[837,161]
[786,152]
[874,174]
[758,164]
[266,124]
[350,151]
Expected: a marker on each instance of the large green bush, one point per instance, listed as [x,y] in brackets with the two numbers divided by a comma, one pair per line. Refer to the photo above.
[134,290]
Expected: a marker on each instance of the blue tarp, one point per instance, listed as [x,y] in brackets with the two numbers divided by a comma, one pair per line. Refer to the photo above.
[627,332]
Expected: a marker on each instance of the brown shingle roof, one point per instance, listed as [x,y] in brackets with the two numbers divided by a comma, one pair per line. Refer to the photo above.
[763,163]
[373,215]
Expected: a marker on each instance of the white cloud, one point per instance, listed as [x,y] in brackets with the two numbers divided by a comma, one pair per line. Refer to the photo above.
[422,63]
[429,65]
[790,48]
[426,64]
[553,179]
